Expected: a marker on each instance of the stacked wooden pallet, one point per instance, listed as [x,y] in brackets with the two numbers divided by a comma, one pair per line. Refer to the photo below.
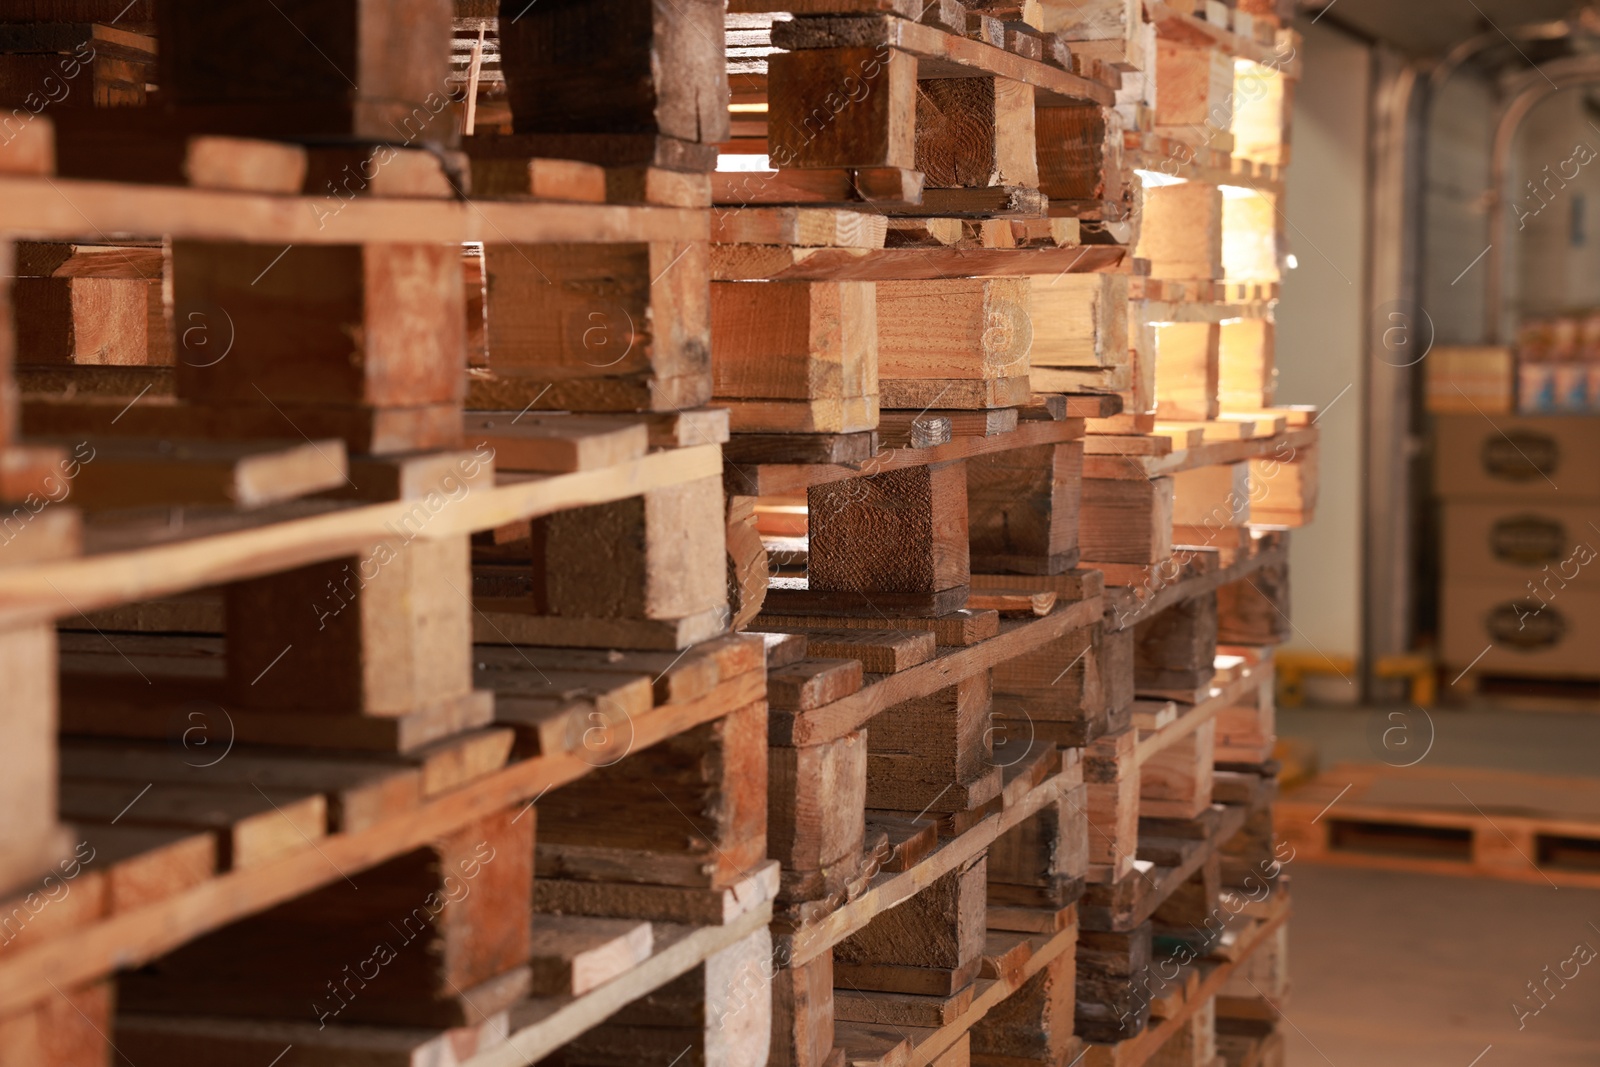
[445,509]
[1001,838]
[318,595]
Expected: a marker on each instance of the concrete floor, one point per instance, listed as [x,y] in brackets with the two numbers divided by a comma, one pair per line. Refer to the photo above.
[1412,970]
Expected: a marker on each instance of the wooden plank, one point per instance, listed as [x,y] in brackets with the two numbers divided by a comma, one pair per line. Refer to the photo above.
[781,479]
[253,829]
[68,208]
[782,263]
[554,444]
[942,55]
[46,591]
[835,720]
[660,70]
[574,954]
[132,474]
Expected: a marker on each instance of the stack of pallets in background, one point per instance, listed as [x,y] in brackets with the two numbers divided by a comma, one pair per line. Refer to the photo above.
[603,532]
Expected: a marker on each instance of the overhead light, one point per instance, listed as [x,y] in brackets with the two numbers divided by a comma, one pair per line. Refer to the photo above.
[1154,179]
[1236,192]
[1292,261]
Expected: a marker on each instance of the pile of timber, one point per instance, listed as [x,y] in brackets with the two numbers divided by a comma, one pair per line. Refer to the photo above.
[603,532]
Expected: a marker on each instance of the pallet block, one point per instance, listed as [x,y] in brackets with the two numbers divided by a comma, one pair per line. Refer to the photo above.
[1195,1042]
[1108,30]
[65,1030]
[1253,238]
[87,65]
[690,811]
[577,67]
[1247,374]
[896,541]
[796,356]
[1212,498]
[1056,692]
[1023,509]
[1193,914]
[1110,966]
[816,805]
[1041,862]
[1263,102]
[1110,770]
[717,1015]
[647,572]
[437,938]
[384,633]
[1034,1025]
[1246,729]
[373,327]
[1079,320]
[620,327]
[1250,857]
[1126,520]
[1175,783]
[842,107]
[954,343]
[1283,487]
[975,132]
[931,944]
[352,68]
[1187,375]
[1181,234]
[1193,90]
[1176,649]
[1080,153]
[802,1013]
[934,753]
[30,840]
[1255,610]
[87,305]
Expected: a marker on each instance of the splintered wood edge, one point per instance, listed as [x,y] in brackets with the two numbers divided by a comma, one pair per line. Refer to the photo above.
[132,937]
[47,591]
[537,1040]
[66,208]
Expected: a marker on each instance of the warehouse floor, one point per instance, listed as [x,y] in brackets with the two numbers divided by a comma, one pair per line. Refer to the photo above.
[1412,970]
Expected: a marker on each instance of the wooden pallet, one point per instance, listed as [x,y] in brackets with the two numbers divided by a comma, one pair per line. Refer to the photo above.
[1197,989]
[1471,822]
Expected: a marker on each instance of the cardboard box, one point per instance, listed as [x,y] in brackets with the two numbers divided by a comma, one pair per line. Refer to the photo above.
[1510,544]
[1556,637]
[1517,458]
[1471,378]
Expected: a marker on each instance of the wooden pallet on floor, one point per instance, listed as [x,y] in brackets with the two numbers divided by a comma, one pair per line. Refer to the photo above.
[1464,821]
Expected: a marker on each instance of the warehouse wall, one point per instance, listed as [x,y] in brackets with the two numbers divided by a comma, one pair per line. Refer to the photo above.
[1321,330]
[1460,137]
[1558,252]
